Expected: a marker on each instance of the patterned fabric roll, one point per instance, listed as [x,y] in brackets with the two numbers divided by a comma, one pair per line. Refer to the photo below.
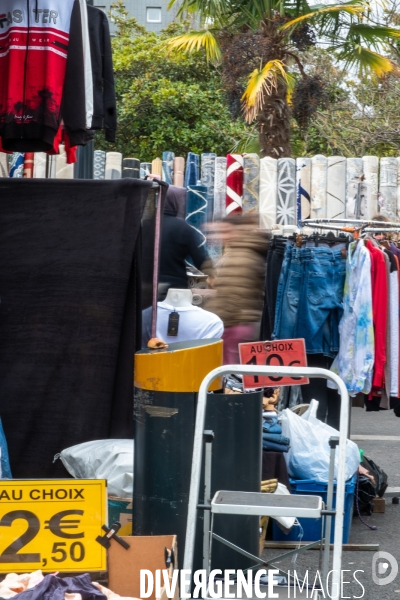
[268,191]
[156,167]
[251,182]
[220,188]
[207,179]
[179,171]
[319,177]
[286,199]
[145,170]
[17,165]
[131,168]
[40,165]
[371,170]
[113,165]
[354,170]
[192,174]
[168,167]
[388,187]
[303,187]
[4,170]
[99,164]
[336,187]
[196,209]
[234,184]
[28,165]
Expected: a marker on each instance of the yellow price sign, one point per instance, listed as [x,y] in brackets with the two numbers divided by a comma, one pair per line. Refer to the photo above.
[52,525]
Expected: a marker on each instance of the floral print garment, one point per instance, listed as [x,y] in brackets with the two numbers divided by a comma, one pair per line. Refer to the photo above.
[355,360]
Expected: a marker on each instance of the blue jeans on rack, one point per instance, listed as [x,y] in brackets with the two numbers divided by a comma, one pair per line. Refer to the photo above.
[281,289]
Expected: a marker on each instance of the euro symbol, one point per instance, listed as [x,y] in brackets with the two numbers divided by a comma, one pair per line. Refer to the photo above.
[57,523]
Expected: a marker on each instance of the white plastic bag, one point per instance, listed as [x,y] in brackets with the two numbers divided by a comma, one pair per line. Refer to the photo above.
[102,459]
[309,453]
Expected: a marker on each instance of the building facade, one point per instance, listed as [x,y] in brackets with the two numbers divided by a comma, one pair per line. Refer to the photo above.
[152,14]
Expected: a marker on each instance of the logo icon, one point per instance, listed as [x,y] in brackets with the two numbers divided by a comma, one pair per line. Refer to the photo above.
[384,568]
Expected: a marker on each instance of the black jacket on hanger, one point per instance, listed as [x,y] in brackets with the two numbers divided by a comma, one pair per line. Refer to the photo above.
[104,103]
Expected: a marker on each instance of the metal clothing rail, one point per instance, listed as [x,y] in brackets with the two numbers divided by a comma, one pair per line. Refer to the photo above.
[198,451]
[304,222]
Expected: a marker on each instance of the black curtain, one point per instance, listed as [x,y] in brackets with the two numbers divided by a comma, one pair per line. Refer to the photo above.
[69,315]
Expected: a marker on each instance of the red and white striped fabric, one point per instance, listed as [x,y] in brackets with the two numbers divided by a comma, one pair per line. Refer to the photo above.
[28,164]
[234,183]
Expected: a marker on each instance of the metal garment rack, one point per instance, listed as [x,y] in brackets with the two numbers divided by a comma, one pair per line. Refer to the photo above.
[198,452]
[304,222]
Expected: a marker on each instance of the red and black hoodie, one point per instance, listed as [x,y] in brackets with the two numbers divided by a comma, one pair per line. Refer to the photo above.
[41,74]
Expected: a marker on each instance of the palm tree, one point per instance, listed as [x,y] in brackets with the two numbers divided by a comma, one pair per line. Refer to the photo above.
[258,45]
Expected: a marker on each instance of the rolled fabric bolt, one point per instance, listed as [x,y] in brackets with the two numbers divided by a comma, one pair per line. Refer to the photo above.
[63,170]
[113,165]
[234,184]
[388,187]
[268,192]
[99,164]
[319,179]
[303,187]
[4,169]
[354,170]
[220,188]
[179,171]
[131,168]
[286,199]
[17,165]
[196,209]
[156,167]
[207,179]
[168,167]
[336,187]
[29,165]
[251,183]
[145,170]
[371,176]
[192,174]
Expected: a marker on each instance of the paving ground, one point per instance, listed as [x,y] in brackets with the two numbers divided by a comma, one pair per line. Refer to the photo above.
[387,455]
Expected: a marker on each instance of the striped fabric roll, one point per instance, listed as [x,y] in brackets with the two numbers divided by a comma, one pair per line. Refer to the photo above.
[234,183]
[4,170]
[220,188]
[156,167]
[207,179]
[192,174]
[17,165]
[168,167]
[179,171]
[145,170]
[113,165]
[131,168]
[29,165]
[99,164]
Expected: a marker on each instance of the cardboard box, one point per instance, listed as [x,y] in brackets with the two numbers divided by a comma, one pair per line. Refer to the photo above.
[145,552]
[120,509]
[379,505]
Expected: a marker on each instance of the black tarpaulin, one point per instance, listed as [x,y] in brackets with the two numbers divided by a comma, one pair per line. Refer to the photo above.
[69,315]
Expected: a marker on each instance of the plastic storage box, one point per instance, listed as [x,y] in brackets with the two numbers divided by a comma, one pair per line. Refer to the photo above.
[312,527]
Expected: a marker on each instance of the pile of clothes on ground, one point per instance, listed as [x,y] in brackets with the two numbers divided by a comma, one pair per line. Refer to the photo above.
[36,586]
[272,434]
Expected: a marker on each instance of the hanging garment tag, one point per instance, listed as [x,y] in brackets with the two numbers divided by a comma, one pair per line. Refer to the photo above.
[173,324]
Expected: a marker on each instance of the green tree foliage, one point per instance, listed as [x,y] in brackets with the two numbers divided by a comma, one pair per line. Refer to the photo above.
[165,99]
[360,115]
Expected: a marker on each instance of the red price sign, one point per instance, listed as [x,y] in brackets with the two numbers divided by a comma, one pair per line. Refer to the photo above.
[279,353]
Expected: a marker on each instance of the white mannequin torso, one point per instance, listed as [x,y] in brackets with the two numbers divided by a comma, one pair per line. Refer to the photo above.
[177,298]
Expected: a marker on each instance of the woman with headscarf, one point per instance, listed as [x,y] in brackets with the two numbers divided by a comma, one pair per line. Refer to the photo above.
[179,243]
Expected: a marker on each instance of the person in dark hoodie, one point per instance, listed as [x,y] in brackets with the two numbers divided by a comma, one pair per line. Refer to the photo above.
[179,242]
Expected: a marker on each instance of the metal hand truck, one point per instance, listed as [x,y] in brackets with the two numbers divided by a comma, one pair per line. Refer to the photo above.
[266,504]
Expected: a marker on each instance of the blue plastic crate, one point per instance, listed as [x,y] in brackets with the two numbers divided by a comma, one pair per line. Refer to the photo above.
[312,527]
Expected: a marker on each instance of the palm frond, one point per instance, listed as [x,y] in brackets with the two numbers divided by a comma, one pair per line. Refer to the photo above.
[372,33]
[196,40]
[354,8]
[261,82]
[367,60]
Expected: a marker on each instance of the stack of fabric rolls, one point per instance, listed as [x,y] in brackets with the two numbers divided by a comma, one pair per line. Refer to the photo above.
[272,434]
